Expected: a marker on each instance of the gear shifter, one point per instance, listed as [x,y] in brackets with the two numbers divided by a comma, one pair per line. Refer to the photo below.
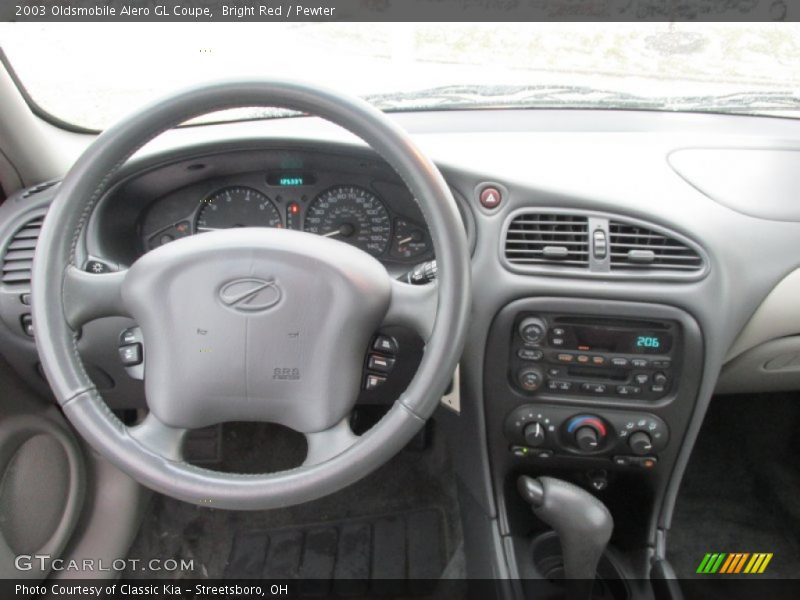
[583,525]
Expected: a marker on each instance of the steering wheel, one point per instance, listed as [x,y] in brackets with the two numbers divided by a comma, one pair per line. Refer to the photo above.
[249,324]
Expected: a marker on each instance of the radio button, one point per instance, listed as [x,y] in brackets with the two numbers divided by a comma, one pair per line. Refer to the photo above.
[662,364]
[530,354]
[599,360]
[565,357]
[595,388]
[619,361]
[556,341]
[657,389]
[642,378]
[554,371]
[583,358]
[659,379]
[628,390]
[557,331]
[565,386]
[639,363]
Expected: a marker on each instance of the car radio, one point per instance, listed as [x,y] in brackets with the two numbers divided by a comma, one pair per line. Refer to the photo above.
[593,356]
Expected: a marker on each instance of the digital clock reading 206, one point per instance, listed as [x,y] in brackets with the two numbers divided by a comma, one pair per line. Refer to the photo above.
[652,342]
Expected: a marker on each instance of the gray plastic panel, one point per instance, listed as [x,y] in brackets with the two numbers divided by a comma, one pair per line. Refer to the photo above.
[760,182]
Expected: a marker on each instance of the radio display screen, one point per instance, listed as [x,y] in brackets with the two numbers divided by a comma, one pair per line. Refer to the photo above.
[606,339]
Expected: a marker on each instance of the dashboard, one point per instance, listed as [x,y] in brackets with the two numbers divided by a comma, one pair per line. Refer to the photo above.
[613,286]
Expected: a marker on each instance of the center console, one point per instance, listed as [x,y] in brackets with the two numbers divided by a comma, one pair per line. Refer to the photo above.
[597,393]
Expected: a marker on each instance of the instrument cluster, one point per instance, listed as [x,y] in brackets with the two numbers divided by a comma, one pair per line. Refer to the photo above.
[375,217]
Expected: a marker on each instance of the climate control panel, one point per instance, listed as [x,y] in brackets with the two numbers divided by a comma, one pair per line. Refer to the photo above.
[593,356]
[623,437]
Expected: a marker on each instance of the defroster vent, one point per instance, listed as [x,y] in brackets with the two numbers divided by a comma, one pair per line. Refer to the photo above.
[548,239]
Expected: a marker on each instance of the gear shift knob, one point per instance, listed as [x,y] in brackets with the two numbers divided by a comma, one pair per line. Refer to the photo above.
[582,522]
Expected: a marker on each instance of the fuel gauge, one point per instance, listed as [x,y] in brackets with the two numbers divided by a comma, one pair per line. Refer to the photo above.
[410,240]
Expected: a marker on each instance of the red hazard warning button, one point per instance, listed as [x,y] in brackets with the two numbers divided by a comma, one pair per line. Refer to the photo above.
[490,197]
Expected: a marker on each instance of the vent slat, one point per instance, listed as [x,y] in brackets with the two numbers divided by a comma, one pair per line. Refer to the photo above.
[548,239]
[18,257]
[22,244]
[17,265]
[17,277]
[627,244]
[547,261]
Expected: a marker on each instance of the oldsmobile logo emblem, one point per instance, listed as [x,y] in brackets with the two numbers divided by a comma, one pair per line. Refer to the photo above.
[250,294]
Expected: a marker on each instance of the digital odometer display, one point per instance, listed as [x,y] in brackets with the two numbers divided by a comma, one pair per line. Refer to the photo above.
[353,215]
[237,206]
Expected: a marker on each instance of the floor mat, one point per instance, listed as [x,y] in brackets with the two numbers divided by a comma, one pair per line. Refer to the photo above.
[414,494]
[741,491]
[397,554]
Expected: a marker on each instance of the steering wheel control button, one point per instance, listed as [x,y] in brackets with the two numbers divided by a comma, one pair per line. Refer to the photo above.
[128,337]
[96,266]
[490,197]
[27,325]
[385,344]
[530,379]
[131,354]
[382,364]
[373,381]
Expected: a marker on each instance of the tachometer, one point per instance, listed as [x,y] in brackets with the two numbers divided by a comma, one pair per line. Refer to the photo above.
[237,206]
[353,215]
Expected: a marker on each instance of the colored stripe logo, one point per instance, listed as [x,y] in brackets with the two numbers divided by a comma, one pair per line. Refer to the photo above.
[734,563]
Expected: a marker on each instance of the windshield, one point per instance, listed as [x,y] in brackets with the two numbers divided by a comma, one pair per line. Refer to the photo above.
[90,75]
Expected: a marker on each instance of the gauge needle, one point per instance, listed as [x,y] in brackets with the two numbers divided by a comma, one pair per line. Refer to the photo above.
[405,240]
[208,228]
[332,233]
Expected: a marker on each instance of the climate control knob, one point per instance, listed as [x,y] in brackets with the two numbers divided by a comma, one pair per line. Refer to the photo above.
[532,330]
[530,379]
[534,434]
[588,432]
[587,439]
[640,443]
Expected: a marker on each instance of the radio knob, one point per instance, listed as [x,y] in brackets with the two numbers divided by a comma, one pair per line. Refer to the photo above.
[640,443]
[529,379]
[587,438]
[534,434]
[532,330]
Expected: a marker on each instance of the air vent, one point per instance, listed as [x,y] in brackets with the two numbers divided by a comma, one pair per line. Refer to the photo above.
[548,239]
[18,259]
[39,188]
[635,248]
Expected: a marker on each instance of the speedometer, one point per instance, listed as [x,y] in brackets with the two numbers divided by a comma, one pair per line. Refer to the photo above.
[237,206]
[353,215]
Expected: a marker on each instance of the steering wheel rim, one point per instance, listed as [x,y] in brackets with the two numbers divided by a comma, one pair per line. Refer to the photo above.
[63,297]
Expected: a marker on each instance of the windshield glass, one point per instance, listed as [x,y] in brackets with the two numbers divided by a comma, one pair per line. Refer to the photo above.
[92,74]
